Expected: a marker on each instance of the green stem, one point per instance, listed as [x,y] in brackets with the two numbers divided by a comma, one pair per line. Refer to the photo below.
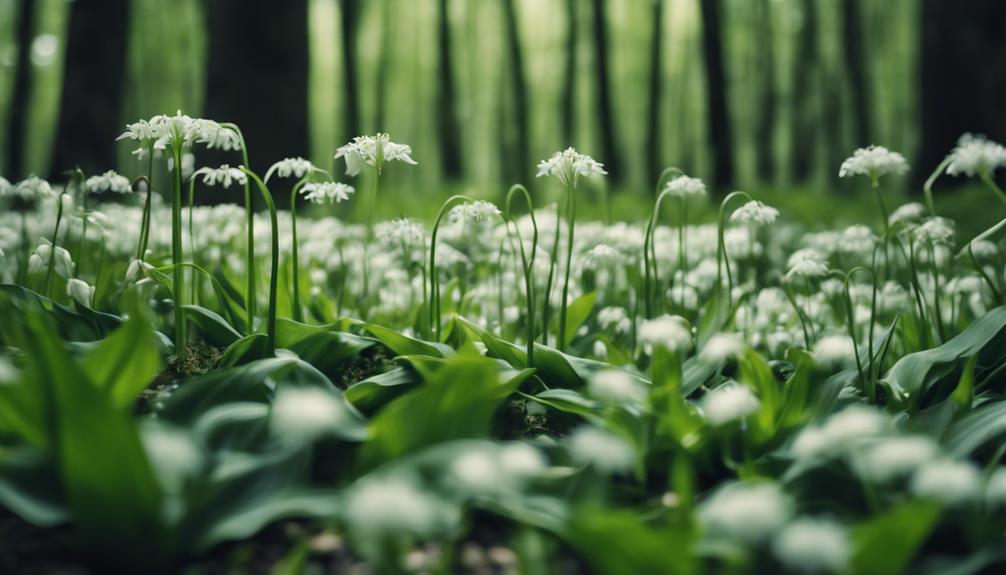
[434,319]
[527,264]
[987,178]
[681,250]
[648,261]
[141,249]
[192,235]
[298,313]
[251,303]
[274,272]
[177,252]
[721,249]
[875,184]
[52,247]
[927,189]
[552,264]
[571,226]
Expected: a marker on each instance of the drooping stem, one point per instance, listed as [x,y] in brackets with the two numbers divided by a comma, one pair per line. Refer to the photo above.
[177,252]
[298,314]
[526,263]
[145,181]
[928,187]
[649,261]
[986,177]
[251,274]
[721,249]
[571,226]
[274,258]
[434,319]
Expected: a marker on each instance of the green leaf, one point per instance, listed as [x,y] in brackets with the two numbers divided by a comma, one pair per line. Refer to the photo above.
[977,428]
[405,345]
[126,362]
[214,328]
[577,312]
[621,543]
[377,390]
[30,487]
[886,544]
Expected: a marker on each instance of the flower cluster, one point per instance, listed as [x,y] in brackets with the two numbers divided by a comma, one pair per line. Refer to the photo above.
[326,192]
[110,181]
[182,131]
[569,165]
[976,155]
[873,162]
[372,151]
[223,176]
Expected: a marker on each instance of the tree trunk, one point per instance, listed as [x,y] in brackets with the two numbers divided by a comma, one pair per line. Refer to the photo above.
[858,70]
[17,117]
[382,69]
[93,78]
[449,130]
[963,76]
[765,126]
[606,126]
[803,140]
[350,89]
[654,158]
[568,98]
[257,78]
[717,111]
[519,165]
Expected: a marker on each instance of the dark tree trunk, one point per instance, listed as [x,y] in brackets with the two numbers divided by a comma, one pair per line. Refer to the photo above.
[517,137]
[382,69]
[350,89]
[568,99]
[17,118]
[717,110]
[858,70]
[257,77]
[803,140]
[653,151]
[449,130]
[765,128]
[963,76]
[606,119]
[93,77]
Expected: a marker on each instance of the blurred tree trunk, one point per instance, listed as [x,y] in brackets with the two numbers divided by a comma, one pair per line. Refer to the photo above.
[350,12]
[717,111]
[765,127]
[516,132]
[568,97]
[803,140]
[858,70]
[93,78]
[257,77]
[609,147]
[448,130]
[963,76]
[382,69]
[653,150]
[17,116]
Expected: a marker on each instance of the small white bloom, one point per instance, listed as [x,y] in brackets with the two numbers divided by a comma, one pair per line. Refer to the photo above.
[748,513]
[874,162]
[603,256]
[895,457]
[835,351]
[372,151]
[728,403]
[519,460]
[32,189]
[303,413]
[842,431]
[614,318]
[407,231]
[297,167]
[909,213]
[755,212]
[685,186]
[376,506]
[813,546]
[668,331]
[948,481]
[603,450]
[224,176]
[936,230]
[80,291]
[331,192]
[569,165]
[976,155]
[616,387]
[110,181]
[858,239]
[475,212]
[722,347]
[477,471]
[806,263]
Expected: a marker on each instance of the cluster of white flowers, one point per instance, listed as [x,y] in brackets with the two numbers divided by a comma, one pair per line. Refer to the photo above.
[722,347]
[841,432]
[755,212]
[223,176]
[806,263]
[811,545]
[38,262]
[601,449]
[835,350]
[297,167]
[935,230]
[475,212]
[569,165]
[30,189]
[948,481]
[667,331]
[873,162]
[728,403]
[615,318]
[304,413]
[976,155]
[616,387]
[748,513]
[330,192]
[180,130]
[910,213]
[407,231]
[392,505]
[79,291]
[110,181]
[685,186]
[372,151]
[486,469]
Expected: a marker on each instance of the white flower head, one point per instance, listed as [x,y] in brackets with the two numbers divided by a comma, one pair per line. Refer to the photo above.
[377,506]
[728,403]
[995,489]
[32,189]
[407,231]
[668,331]
[38,262]
[110,181]
[224,176]
[304,413]
[806,263]
[80,292]
[976,155]
[948,481]
[569,165]
[330,192]
[755,212]
[605,451]
[835,351]
[873,162]
[895,457]
[685,187]
[722,347]
[910,213]
[936,230]
[603,256]
[616,387]
[846,429]
[748,513]
[372,151]
[813,546]
[858,239]
[475,212]
[290,167]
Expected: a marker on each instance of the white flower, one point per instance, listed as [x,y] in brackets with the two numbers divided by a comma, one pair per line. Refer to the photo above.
[936,230]
[297,167]
[616,387]
[392,505]
[224,175]
[216,136]
[858,239]
[569,165]
[976,155]
[728,403]
[372,151]
[813,546]
[303,413]
[834,350]
[948,481]
[605,451]
[909,213]
[668,331]
[109,181]
[180,130]
[721,347]
[5,187]
[331,192]
[39,260]
[477,471]
[614,318]
[407,231]
[603,256]
[476,212]
[685,186]
[755,212]
[82,293]
[32,188]
[843,430]
[874,162]
[133,271]
[806,263]
[519,460]
[748,513]
[895,457]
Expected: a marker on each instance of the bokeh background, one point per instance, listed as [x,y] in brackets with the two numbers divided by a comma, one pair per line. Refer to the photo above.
[767,95]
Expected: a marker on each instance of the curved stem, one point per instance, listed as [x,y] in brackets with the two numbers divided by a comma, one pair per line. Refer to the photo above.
[251,304]
[571,226]
[52,247]
[274,275]
[527,264]
[434,319]
[851,326]
[987,178]
[145,223]
[927,188]
[721,250]
[647,240]
[298,314]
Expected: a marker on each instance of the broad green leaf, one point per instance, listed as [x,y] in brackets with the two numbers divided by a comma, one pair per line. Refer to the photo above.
[979,427]
[621,543]
[30,487]
[214,328]
[887,543]
[125,362]
[377,390]
[405,345]
[577,312]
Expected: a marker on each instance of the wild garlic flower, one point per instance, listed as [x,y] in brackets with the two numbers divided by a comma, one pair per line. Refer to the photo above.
[38,262]
[5,187]
[569,165]
[180,130]
[225,176]
[322,192]
[844,430]
[373,151]
[873,162]
[896,457]
[936,230]
[858,239]
[603,256]
[748,513]
[722,347]
[616,387]
[976,155]
[834,351]
[910,213]
[809,545]
[32,188]
[667,331]
[685,187]
[391,505]
[296,167]
[755,212]
[80,291]
[602,449]
[305,413]
[728,403]
[614,318]
[806,263]
[947,481]
[475,212]
[407,231]
[110,181]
